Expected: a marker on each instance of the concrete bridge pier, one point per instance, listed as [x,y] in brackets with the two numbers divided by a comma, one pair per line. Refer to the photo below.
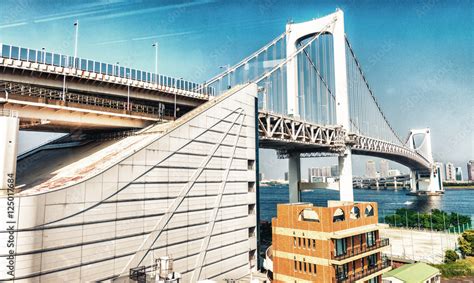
[413,183]
[294,177]
[9,127]
[346,192]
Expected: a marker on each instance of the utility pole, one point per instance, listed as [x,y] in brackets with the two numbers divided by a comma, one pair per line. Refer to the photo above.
[156,62]
[227,67]
[76,37]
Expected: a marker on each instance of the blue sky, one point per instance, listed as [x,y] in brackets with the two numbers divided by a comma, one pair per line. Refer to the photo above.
[417,55]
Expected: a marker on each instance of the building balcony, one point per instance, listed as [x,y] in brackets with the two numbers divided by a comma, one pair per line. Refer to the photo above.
[360,249]
[363,275]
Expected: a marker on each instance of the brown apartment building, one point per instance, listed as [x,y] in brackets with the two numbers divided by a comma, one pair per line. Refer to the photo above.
[338,243]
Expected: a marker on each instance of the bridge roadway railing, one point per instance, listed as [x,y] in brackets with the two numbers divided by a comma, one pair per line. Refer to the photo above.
[9,90]
[368,144]
[90,69]
[282,132]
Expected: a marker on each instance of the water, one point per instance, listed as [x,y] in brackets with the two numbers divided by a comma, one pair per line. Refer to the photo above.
[459,201]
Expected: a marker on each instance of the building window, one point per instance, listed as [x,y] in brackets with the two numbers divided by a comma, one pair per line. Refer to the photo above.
[374,280]
[355,213]
[369,211]
[340,247]
[338,215]
[341,272]
[372,260]
[314,244]
[296,265]
[294,241]
[370,238]
[299,242]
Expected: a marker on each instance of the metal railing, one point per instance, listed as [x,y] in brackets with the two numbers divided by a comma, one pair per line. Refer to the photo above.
[65,61]
[10,89]
[360,249]
[8,113]
[343,277]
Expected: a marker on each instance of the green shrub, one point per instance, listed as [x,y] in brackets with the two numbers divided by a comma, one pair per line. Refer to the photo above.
[466,243]
[455,269]
[450,256]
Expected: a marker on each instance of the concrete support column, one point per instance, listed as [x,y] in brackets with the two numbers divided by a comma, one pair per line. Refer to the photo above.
[294,177]
[9,127]
[412,181]
[345,176]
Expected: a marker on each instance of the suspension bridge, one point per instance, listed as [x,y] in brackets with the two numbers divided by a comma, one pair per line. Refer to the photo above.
[314,99]
[154,165]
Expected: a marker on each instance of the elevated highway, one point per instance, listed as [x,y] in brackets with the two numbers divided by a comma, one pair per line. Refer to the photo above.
[54,92]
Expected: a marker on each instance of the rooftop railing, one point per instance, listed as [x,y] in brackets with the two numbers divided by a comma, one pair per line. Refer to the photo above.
[65,61]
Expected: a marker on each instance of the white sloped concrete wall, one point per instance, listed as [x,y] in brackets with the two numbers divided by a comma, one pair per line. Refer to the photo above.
[91,230]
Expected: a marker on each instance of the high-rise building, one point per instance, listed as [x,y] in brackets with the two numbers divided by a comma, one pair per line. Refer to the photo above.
[334,171]
[441,170]
[470,170]
[326,171]
[459,176]
[370,170]
[384,167]
[338,243]
[393,173]
[318,172]
[450,172]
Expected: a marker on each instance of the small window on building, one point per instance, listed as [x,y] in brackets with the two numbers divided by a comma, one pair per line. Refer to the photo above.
[338,215]
[251,187]
[299,242]
[355,213]
[294,241]
[314,268]
[296,265]
[369,211]
[314,244]
[250,164]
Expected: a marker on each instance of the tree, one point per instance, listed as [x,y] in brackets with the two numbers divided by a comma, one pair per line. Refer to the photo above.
[450,256]
[466,243]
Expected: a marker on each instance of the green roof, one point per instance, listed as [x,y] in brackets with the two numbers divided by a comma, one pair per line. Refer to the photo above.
[413,273]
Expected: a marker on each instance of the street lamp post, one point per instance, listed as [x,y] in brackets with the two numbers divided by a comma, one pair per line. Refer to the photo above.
[76,36]
[227,67]
[156,62]
[128,91]
[175,91]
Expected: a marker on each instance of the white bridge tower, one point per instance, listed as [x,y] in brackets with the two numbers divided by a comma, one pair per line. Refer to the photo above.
[332,24]
[424,181]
